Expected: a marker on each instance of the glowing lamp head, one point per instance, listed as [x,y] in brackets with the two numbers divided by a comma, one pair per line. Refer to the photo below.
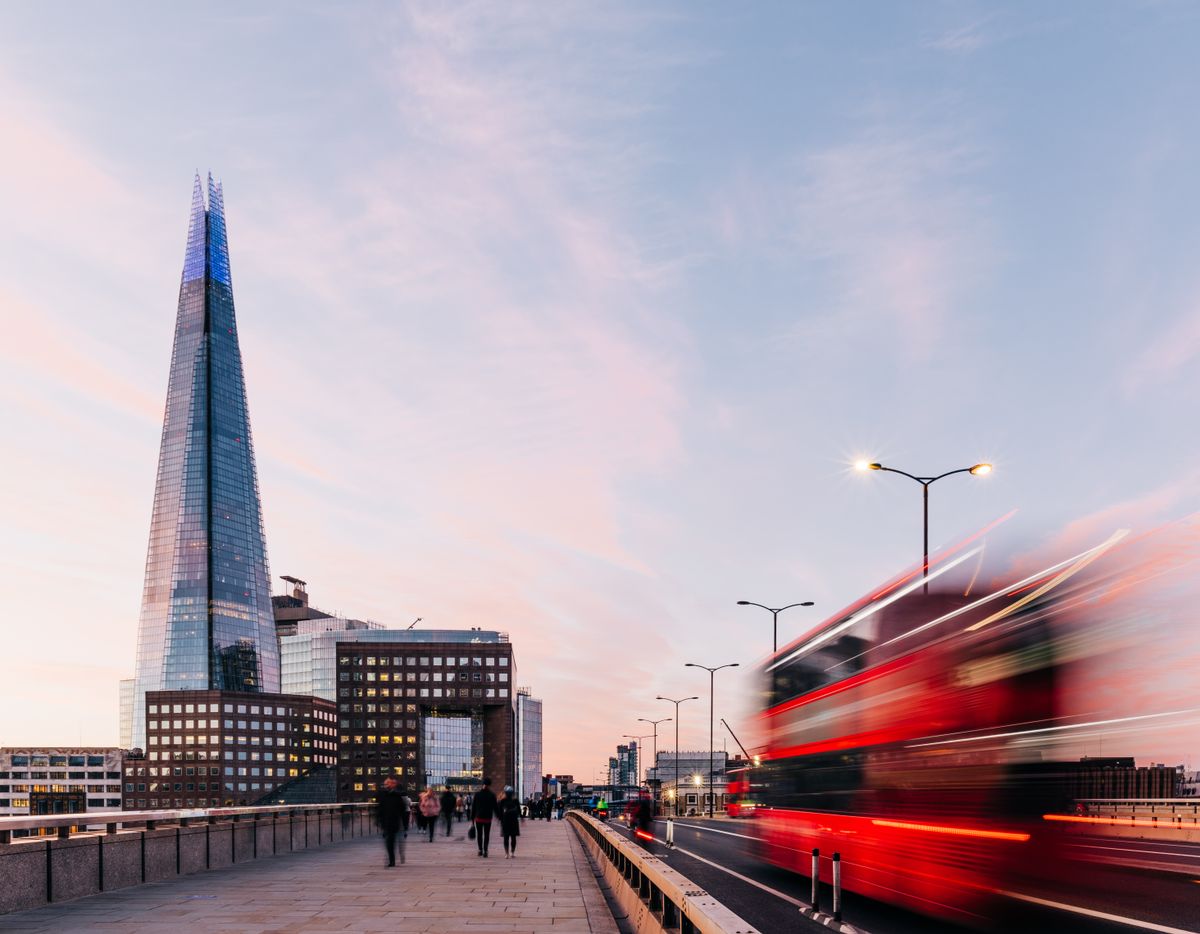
[696,780]
[862,466]
[981,470]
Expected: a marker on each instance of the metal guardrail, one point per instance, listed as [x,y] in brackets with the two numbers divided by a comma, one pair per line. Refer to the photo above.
[89,822]
[676,902]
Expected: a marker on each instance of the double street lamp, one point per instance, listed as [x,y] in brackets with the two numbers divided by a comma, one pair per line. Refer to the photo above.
[676,703]
[655,724]
[711,678]
[775,614]
[979,470]
[637,756]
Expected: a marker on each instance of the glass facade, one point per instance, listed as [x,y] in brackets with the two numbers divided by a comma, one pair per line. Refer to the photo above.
[529,745]
[206,620]
[126,693]
[308,659]
[452,744]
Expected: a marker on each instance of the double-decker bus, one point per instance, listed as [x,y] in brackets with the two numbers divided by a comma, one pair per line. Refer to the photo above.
[741,793]
[903,733]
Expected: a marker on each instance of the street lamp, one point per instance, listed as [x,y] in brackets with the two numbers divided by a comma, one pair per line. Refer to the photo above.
[712,673]
[774,613]
[655,724]
[676,703]
[979,470]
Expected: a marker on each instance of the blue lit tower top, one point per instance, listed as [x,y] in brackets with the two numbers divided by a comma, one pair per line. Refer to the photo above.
[206,620]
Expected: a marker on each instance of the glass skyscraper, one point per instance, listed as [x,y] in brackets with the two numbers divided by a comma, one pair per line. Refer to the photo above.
[206,621]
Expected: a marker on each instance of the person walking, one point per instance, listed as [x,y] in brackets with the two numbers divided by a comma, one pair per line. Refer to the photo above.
[429,811]
[447,802]
[459,807]
[509,812]
[483,809]
[390,806]
[549,808]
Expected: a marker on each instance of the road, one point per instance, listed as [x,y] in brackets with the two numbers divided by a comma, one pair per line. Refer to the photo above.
[1155,887]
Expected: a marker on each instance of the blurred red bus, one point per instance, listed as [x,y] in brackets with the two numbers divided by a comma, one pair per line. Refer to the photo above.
[898,732]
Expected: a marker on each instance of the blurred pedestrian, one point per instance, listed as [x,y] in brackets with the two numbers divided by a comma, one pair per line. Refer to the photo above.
[391,805]
[509,811]
[483,809]
[459,808]
[447,803]
[429,811]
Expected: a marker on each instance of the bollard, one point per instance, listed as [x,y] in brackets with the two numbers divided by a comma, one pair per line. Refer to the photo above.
[837,888]
[816,879]
[670,832]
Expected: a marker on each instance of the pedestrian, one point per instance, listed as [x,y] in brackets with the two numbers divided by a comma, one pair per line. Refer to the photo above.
[448,809]
[549,808]
[429,811]
[509,812]
[562,804]
[390,806]
[459,807]
[483,809]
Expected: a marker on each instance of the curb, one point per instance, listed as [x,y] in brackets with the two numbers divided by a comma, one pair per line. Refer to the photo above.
[820,917]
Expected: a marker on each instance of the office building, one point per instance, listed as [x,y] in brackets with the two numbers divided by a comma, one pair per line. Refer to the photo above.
[429,712]
[125,697]
[222,748]
[59,780]
[529,745]
[206,621]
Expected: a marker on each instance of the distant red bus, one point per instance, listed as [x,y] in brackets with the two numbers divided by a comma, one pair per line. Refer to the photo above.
[740,798]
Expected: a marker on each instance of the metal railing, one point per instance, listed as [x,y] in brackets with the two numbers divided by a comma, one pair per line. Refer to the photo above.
[676,902]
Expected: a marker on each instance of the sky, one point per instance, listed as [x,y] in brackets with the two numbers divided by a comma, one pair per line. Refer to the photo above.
[568,319]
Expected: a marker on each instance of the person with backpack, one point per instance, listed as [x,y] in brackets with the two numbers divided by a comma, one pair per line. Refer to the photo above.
[509,811]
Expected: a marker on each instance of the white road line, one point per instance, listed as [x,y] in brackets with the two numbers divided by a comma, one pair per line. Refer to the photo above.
[736,875]
[753,882]
[728,833]
[1102,915]
[1129,849]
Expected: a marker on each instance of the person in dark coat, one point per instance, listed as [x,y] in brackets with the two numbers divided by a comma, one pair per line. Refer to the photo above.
[483,809]
[391,807]
[448,802]
[509,811]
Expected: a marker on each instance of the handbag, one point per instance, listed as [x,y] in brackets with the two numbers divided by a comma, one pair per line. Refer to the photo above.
[471,832]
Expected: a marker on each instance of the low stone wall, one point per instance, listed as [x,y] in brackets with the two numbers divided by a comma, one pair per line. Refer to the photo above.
[38,870]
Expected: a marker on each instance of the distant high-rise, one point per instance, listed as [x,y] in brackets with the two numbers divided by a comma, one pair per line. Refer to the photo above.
[206,621]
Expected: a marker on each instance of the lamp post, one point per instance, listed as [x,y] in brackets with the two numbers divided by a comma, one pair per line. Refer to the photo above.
[775,614]
[979,470]
[677,703]
[655,724]
[712,673]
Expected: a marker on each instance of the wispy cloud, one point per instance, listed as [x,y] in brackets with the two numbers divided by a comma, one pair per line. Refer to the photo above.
[1164,358]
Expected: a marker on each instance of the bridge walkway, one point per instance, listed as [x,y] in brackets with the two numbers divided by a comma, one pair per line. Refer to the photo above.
[443,888]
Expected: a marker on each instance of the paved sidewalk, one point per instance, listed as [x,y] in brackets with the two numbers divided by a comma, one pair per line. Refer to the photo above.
[444,888]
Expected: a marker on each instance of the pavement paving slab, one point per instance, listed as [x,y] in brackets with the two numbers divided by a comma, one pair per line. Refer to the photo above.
[444,887]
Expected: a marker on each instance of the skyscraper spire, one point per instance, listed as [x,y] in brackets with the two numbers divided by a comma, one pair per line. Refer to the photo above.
[206,618]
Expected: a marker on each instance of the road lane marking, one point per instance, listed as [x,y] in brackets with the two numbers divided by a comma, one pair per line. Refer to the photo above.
[1102,915]
[738,875]
[1130,849]
[747,879]
[728,833]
